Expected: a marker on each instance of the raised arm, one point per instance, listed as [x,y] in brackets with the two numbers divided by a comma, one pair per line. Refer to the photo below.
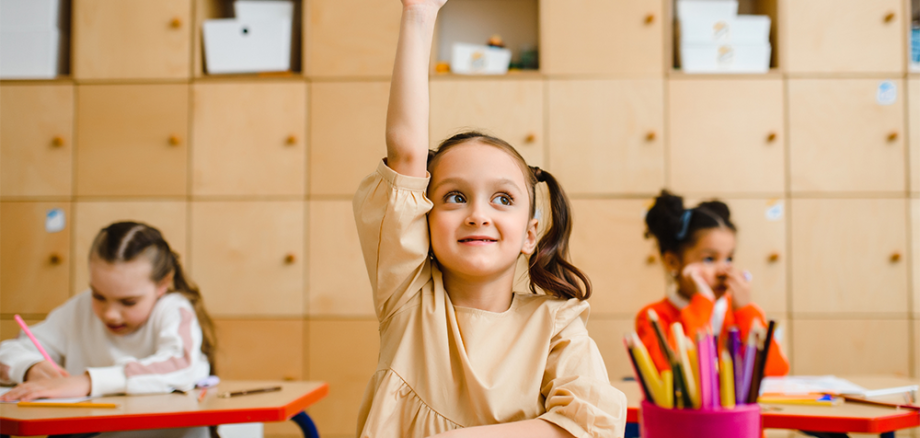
[407,113]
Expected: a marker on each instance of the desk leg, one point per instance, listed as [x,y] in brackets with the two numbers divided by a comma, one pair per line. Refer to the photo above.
[307,427]
[887,435]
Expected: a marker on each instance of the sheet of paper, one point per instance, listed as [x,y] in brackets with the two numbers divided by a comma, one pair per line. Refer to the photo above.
[809,384]
[4,390]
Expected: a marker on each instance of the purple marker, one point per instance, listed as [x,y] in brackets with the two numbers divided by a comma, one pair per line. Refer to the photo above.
[734,339]
[714,353]
[749,354]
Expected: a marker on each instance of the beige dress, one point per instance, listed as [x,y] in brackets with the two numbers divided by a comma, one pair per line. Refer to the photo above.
[443,367]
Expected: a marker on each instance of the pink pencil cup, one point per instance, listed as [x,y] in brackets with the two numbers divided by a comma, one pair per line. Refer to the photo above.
[741,422]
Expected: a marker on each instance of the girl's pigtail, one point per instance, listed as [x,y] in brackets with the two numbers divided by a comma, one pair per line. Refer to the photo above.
[190,291]
[550,269]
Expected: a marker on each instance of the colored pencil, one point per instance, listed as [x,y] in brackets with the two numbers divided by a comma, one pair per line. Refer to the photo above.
[202,394]
[649,372]
[249,391]
[678,386]
[38,345]
[632,360]
[705,357]
[65,405]
[760,364]
[851,399]
[734,339]
[690,385]
[728,381]
[714,370]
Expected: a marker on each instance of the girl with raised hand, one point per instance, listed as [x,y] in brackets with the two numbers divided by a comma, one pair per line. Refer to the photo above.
[462,354]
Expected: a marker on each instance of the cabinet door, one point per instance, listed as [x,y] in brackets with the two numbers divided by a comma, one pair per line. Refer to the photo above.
[347,125]
[915,255]
[601,37]
[261,244]
[726,136]
[609,245]
[131,39]
[351,38]
[170,217]
[848,256]
[260,349]
[34,256]
[132,140]
[843,36]
[9,328]
[842,139]
[605,136]
[36,140]
[608,333]
[249,138]
[761,249]
[338,281]
[851,347]
[914,131]
[508,109]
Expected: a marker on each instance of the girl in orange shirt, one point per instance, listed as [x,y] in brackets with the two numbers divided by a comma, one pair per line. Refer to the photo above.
[707,291]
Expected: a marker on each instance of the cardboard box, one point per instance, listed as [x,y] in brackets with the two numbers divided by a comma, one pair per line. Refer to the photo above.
[473,59]
[30,54]
[237,46]
[725,58]
[743,29]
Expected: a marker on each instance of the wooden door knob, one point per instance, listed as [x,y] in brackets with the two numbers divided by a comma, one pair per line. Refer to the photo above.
[290,259]
[175,23]
[174,140]
[650,136]
[892,136]
[771,137]
[773,257]
[889,17]
[291,140]
[57,141]
[650,18]
[650,260]
[531,138]
[895,257]
[55,259]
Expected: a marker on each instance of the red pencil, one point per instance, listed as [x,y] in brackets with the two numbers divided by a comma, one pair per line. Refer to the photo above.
[201,394]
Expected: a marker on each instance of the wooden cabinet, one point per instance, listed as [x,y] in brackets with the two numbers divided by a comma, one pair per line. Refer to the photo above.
[351,38]
[606,136]
[915,254]
[249,138]
[247,257]
[131,39]
[338,281]
[170,217]
[602,37]
[260,349]
[132,140]
[843,36]
[343,353]
[851,347]
[608,333]
[347,126]
[848,256]
[913,87]
[608,244]
[726,136]
[34,256]
[36,140]
[9,328]
[508,109]
[842,139]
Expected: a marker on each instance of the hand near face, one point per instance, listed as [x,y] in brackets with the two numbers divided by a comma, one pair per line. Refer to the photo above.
[738,285]
[44,370]
[61,387]
[691,280]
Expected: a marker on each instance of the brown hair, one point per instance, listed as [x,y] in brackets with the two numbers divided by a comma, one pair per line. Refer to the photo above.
[549,267]
[125,241]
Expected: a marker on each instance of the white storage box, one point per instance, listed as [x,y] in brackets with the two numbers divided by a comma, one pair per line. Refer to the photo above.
[238,46]
[30,54]
[743,29]
[473,59]
[247,10]
[30,15]
[725,58]
[710,9]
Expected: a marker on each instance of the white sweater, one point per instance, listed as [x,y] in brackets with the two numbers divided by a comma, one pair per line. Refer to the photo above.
[162,355]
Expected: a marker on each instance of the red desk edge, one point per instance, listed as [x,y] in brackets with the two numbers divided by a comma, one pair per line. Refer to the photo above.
[12,426]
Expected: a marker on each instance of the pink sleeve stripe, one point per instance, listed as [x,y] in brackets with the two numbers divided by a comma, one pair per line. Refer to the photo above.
[173,364]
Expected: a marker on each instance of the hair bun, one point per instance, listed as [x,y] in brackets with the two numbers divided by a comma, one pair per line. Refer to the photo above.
[719,208]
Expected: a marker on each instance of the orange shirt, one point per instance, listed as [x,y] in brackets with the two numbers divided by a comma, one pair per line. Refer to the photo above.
[695,317]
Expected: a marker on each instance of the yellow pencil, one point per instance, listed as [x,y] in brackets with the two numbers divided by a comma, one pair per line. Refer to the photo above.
[649,372]
[667,379]
[727,376]
[677,331]
[695,367]
[65,405]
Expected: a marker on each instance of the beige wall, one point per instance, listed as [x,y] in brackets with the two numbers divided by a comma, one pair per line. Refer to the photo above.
[250,177]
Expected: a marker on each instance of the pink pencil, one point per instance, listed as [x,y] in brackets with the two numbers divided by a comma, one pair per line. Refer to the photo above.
[41,350]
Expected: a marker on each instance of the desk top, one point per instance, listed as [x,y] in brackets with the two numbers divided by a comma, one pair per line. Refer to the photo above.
[167,410]
[848,417]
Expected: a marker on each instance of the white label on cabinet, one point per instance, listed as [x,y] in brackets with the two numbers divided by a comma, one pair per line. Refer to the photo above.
[887,93]
[775,210]
[54,220]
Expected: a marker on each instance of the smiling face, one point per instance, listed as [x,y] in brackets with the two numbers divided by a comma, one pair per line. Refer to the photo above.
[714,250]
[123,293]
[480,223]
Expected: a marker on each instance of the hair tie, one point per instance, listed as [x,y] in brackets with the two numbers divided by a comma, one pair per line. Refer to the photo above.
[684,225]
[537,173]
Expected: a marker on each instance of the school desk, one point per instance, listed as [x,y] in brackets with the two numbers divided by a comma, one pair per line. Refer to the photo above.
[171,410]
[845,418]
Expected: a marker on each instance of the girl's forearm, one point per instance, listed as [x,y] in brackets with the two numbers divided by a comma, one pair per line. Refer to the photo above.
[407,113]
[524,429]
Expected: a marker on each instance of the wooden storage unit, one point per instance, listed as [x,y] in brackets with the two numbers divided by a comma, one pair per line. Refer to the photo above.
[34,259]
[249,138]
[170,217]
[607,136]
[36,141]
[913,124]
[726,136]
[841,139]
[132,140]
[347,126]
[585,37]
[350,38]
[508,109]
[261,243]
[851,347]
[915,254]
[476,21]
[849,256]
[260,349]
[844,36]
[9,328]
[131,39]
[608,334]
